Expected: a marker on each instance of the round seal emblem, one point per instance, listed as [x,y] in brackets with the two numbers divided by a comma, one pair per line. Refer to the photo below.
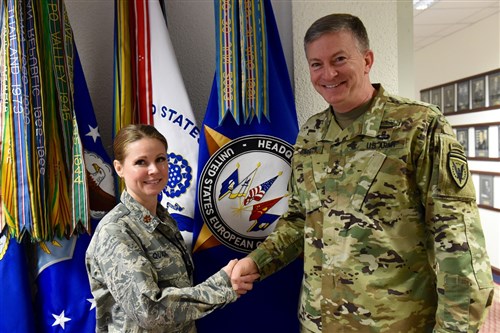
[243,190]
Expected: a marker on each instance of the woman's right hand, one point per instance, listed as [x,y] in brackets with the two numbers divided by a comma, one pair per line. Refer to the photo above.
[229,267]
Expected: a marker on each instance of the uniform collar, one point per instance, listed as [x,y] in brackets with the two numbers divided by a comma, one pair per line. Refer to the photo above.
[141,215]
[367,124]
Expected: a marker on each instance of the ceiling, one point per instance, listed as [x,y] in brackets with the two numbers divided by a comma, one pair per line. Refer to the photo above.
[445,17]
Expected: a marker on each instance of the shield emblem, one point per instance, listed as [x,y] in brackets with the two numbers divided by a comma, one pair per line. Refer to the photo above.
[459,169]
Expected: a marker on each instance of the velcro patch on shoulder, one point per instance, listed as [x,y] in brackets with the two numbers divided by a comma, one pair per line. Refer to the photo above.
[457,165]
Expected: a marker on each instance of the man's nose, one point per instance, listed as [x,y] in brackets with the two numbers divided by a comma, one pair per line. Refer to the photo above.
[331,71]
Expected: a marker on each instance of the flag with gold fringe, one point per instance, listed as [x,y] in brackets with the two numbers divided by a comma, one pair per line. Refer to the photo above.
[244,166]
[149,89]
[56,179]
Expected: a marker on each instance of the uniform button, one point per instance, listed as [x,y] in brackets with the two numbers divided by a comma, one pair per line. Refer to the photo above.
[147,219]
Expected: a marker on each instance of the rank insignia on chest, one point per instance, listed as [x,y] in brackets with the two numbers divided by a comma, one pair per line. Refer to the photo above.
[457,164]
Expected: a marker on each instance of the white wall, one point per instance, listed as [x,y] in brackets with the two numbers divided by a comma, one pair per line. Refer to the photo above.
[466,53]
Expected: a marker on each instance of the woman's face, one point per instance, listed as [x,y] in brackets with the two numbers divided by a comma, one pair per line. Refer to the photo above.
[144,169]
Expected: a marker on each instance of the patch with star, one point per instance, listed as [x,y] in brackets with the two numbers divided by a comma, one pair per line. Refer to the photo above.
[457,165]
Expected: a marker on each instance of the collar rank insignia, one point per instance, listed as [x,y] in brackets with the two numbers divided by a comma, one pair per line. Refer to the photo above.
[457,164]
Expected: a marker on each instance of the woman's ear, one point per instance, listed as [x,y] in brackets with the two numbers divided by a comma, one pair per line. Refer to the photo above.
[118,167]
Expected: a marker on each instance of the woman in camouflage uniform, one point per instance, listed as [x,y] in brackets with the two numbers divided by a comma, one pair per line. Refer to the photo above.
[139,268]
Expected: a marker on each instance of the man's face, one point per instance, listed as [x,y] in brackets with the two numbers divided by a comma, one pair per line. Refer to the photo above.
[339,71]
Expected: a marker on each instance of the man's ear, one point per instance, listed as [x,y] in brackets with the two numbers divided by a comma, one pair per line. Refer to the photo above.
[369,59]
[118,167]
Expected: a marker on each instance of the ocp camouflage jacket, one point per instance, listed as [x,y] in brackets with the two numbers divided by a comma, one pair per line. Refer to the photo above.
[385,215]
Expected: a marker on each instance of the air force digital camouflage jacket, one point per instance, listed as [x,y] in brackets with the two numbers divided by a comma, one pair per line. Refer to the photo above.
[140,274]
[385,215]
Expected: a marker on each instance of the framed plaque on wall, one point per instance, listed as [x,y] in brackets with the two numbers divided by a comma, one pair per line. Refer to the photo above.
[481,141]
[449,98]
[478,92]
[463,96]
[494,88]
[486,190]
[463,138]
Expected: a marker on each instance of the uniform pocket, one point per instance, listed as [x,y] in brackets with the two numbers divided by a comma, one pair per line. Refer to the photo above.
[477,246]
[456,311]
[311,167]
[368,164]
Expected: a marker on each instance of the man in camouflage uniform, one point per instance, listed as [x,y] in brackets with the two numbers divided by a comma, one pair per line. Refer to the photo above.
[382,206]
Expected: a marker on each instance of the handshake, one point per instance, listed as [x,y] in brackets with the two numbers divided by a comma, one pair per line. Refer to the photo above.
[243,273]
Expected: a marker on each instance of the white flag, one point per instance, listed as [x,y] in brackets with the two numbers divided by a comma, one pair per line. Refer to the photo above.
[174,118]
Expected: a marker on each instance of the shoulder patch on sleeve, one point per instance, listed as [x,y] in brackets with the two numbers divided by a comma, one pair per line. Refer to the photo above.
[453,179]
[457,166]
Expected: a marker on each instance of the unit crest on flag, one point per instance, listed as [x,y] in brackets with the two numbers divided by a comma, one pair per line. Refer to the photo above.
[101,188]
[242,189]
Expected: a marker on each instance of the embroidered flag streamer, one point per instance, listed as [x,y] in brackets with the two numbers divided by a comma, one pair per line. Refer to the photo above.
[61,263]
[61,42]
[44,192]
[61,132]
[241,44]
[57,191]
[38,151]
[254,60]
[16,310]
[51,99]
[226,36]
[16,157]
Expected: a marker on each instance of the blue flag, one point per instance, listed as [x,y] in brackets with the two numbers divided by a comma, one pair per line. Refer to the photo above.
[64,302]
[16,307]
[16,302]
[244,166]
